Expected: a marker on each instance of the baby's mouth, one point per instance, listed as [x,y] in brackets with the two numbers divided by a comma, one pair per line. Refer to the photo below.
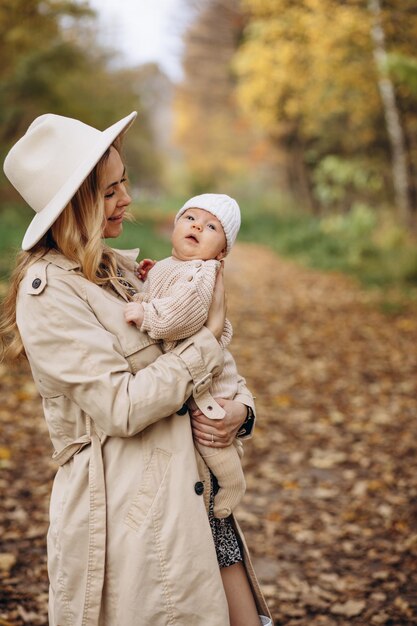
[192,237]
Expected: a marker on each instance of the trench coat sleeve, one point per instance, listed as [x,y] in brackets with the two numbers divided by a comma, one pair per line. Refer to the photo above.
[73,355]
[244,396]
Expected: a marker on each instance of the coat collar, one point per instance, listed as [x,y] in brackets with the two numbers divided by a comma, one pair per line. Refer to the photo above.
[58,259]
[128,258]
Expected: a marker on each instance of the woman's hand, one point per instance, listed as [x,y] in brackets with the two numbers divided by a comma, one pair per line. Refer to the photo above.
[217,312]
[217,433]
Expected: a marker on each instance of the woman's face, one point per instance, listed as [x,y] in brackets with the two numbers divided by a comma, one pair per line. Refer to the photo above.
[116,198]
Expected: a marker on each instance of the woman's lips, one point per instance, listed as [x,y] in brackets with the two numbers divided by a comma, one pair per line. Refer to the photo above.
[116,218]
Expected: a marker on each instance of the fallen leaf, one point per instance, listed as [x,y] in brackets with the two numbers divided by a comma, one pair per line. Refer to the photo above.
[351,608]
[7,561]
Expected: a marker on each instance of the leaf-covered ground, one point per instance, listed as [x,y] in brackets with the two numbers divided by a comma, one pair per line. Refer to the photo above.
[331,508]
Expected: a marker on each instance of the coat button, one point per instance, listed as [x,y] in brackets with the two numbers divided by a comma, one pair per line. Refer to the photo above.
[183,410]
[199,488]
[36,283]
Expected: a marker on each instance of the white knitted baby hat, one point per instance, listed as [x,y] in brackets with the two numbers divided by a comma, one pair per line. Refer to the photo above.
[225,208]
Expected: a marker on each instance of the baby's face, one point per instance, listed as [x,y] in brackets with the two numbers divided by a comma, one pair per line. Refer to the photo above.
[198,234]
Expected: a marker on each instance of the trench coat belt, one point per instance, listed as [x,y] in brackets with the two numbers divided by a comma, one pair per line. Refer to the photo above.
[97,519]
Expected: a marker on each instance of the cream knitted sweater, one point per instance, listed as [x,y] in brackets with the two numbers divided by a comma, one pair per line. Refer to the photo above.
[176,298]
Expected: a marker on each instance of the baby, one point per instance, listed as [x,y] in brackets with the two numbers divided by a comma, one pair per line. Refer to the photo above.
[174,304]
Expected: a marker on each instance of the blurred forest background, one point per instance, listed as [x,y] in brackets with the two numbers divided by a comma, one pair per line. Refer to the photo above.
[305,111]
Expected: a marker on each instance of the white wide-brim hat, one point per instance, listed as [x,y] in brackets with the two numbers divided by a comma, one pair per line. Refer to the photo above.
[51,161]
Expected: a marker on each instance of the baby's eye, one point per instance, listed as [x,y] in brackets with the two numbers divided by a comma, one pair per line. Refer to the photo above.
[189,217]
[212,226]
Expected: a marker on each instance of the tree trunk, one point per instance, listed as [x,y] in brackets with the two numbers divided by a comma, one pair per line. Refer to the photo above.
[392,117]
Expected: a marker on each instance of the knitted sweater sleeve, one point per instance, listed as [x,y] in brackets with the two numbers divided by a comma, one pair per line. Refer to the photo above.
[184,308]
[226,337]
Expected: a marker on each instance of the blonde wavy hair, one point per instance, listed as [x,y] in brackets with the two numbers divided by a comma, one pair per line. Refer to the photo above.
[78,235]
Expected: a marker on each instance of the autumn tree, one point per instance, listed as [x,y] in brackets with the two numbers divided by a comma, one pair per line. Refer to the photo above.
[51,62]
[307,74]
[36,58]
[217,141]
[392,117]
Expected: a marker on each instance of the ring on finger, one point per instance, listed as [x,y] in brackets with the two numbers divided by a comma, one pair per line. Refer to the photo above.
[212,438]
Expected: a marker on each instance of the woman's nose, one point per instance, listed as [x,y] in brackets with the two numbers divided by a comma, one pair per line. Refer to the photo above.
[124,198]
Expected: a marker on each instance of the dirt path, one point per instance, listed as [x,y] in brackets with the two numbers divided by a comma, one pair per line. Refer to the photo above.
[331,508]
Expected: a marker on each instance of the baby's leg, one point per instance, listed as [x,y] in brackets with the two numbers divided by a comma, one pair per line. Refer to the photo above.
[226,466]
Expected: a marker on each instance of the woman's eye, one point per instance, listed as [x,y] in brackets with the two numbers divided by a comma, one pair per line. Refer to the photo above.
[111,194]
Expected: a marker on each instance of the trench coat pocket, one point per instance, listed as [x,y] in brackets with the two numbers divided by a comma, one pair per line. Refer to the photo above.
[152,481]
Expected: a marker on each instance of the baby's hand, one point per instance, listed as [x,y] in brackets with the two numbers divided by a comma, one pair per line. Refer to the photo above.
[143,268]
[134,313]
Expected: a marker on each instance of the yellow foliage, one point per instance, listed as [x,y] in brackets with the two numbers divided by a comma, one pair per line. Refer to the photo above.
[5,453]
[311,64]
[219,144]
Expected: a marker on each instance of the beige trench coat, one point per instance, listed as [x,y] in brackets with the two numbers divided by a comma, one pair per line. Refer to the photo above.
[129,542]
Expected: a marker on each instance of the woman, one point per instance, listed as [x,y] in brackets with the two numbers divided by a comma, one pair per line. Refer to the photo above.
[129,541]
